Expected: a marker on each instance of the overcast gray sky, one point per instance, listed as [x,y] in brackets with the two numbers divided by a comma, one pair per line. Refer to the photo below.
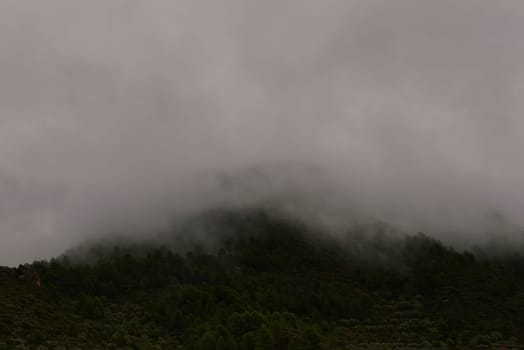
[115,115]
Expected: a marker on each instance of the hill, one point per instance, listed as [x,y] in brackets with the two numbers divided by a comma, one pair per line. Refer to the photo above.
[265,282]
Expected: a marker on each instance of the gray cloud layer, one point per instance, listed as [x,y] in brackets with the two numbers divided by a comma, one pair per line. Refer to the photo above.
[116,114]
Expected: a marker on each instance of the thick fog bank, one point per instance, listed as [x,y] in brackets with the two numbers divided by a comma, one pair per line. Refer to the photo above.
[123,116]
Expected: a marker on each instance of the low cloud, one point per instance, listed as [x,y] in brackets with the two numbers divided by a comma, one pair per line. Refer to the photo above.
[119,116]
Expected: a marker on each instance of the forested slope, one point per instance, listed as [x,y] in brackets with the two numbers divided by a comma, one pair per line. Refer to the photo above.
[265,283]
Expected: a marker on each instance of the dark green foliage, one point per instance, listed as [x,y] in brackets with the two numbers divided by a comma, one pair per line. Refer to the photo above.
[90,307]
[272,285]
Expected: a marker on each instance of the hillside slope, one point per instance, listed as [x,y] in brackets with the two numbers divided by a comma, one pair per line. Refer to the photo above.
[266,283]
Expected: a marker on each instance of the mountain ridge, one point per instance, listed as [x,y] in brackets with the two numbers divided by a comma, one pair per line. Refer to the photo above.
[266,282]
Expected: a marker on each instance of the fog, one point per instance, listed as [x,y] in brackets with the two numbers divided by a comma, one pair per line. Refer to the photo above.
[120,116]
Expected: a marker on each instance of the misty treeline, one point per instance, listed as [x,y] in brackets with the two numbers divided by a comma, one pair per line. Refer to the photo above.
[266,282]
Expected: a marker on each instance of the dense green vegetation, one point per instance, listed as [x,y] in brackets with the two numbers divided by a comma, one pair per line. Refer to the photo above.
[266,283]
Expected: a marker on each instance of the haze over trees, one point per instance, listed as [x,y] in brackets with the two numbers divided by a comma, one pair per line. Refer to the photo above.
[268,283]
[271,174]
